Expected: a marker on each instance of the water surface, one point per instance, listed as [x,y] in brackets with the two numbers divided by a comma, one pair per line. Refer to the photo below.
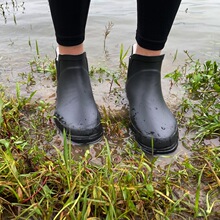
[196,29]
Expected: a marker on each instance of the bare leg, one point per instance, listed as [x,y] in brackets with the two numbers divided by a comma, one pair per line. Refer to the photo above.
[71,50]
[145,52]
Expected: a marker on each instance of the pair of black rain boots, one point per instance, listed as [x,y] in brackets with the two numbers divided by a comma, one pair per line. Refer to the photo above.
[154,126]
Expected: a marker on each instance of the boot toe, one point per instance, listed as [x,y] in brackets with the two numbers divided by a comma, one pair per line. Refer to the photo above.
[156,141]
[83,131]
[155,130]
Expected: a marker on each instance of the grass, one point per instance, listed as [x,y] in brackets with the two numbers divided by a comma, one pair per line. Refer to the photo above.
[42,177]
[200,108]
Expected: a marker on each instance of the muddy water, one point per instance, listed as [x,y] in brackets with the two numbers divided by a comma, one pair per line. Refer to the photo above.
[196,29]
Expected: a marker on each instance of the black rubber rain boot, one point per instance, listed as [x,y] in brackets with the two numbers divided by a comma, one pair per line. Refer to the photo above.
[76,111]
[154,126]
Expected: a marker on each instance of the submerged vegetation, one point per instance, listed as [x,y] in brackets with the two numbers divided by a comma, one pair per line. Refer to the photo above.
[45,177]
[9,9]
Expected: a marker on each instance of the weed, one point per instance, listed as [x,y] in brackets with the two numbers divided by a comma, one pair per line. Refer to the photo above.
[8,6]
[122,64]
[42,65]
[39,179]
[35,186]
[201,106]
[107,31]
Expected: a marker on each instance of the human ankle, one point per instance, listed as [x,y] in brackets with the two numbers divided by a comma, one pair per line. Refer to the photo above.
[70,50]
[145,52]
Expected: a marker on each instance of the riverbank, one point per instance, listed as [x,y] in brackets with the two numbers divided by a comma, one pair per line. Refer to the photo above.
[44,176]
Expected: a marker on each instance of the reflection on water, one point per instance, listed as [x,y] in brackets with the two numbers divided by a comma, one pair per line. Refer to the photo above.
[196,29]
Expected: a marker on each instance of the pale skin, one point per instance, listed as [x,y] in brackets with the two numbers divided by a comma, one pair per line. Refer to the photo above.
[79,49]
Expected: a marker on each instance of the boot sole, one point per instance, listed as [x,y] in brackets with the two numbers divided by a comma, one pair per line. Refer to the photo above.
[152,151]
[155,151]
[81,140]
[86,140]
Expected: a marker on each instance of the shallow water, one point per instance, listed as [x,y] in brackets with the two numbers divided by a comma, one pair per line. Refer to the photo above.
[196,30]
